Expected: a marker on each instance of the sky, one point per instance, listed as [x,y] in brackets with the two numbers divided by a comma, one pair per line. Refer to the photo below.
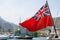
[14,10]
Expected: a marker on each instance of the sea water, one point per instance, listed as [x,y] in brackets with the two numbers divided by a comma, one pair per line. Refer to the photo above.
[19,39]
[36,38]
[15,39]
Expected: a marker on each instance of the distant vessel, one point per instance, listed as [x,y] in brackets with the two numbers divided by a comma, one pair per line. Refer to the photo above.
[4,36]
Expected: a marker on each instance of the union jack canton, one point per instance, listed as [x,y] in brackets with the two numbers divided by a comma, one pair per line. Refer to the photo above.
[43,11]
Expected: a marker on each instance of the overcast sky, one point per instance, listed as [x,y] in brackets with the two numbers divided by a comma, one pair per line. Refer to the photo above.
[12,10]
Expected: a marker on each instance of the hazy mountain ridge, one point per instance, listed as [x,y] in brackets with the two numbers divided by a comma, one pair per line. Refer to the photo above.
[7,26]
[57,22]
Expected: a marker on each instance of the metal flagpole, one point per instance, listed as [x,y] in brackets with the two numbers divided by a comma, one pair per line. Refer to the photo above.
[54,28]
[20,22]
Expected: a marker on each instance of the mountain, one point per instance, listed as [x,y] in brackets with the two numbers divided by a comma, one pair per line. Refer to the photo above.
[57,22]
[7,26]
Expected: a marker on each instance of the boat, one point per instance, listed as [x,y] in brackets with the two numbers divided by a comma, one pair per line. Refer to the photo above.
[4,36]
[21,36]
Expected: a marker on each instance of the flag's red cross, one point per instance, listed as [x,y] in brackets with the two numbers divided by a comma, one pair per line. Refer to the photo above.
[44,11]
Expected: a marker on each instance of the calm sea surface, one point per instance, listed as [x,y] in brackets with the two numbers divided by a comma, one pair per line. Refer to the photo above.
[38,38]
[15,39]
[19,39]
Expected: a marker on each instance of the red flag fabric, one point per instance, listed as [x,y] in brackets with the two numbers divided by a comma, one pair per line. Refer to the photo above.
[40,20]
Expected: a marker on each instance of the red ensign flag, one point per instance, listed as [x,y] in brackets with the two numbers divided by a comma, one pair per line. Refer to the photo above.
[40,20]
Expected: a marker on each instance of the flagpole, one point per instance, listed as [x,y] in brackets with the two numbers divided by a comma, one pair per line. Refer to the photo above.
[53,21]
[20,22]
[55,25]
